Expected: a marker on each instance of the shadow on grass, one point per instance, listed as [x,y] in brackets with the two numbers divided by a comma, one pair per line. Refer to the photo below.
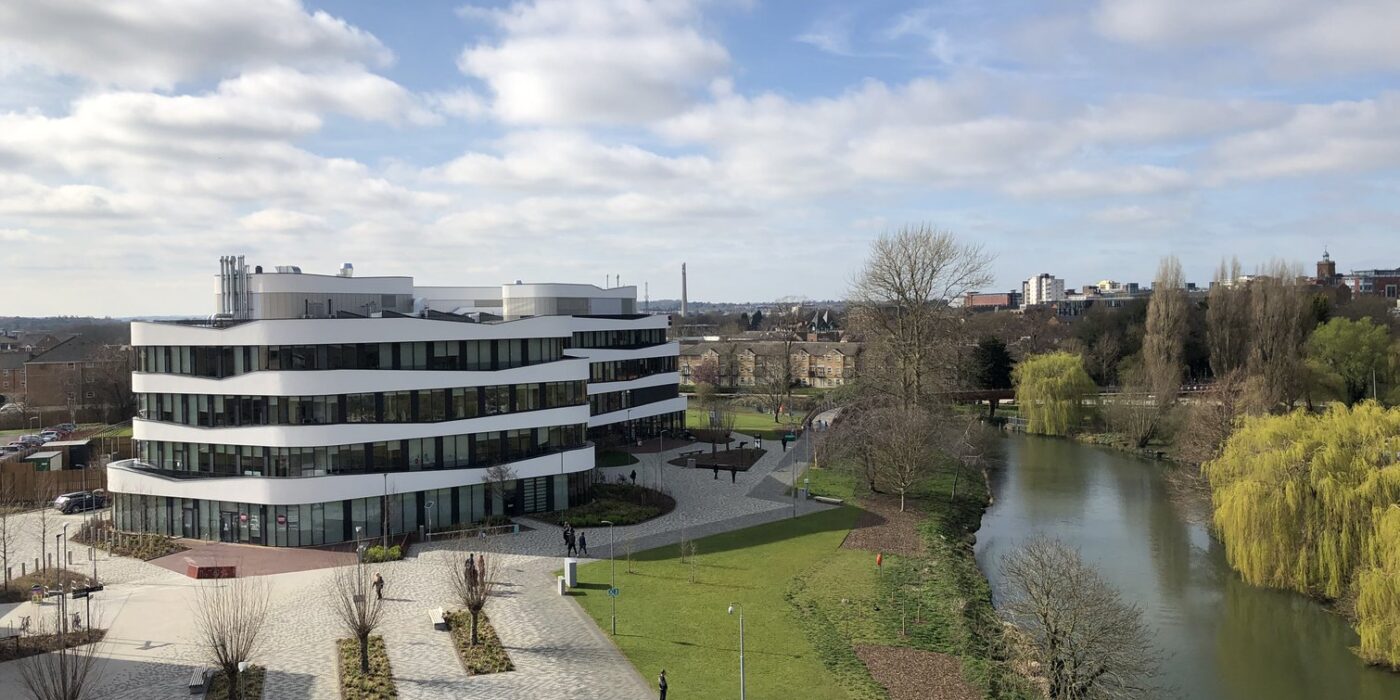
[770,533]
[713,647]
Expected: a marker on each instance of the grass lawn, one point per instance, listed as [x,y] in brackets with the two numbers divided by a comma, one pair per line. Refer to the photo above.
[614,458]
[836,483]
[664,621]
[747,421]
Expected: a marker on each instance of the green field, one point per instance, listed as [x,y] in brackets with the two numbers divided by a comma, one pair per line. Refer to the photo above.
[664,621]
[748,422]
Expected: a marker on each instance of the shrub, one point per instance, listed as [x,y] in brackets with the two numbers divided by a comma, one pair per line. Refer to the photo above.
[488,656]
[378,553]
[623,504]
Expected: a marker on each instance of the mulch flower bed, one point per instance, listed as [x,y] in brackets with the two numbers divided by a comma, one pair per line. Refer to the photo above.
[912,674]
[487,656]
[882,528]
[726,460]
[18,590]
[378,685]
[42,643]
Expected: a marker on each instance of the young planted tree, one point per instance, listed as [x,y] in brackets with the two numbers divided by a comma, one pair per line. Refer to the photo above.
[11,526]
[774,376]
[473,581]
[1088,642]
[900,303]
[1050,390]
[230,615]
[356,607]
[496,478]
[68,673]
[1354,351]
[903,447]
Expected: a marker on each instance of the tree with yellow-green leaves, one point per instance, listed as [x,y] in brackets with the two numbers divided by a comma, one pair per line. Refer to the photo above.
[1302,502]
[1050,391]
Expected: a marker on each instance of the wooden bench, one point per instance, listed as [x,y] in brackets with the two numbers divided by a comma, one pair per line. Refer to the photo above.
[691,453]
[828,500]
[199,678]
[438,617]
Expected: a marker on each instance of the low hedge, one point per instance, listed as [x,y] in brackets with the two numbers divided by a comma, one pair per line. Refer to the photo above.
[378,684]
[252,681]
[623,504]
[378,553]
[36,644]
[144,546]
[487,656]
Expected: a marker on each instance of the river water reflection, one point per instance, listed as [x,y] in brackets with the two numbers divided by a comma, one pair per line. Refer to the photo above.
[1221,637]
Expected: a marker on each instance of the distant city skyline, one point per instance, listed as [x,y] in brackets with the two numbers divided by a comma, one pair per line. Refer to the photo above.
[763,143]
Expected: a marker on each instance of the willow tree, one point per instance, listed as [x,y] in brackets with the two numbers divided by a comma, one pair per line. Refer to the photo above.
[1050,391]
[1378,598]
[1297,500]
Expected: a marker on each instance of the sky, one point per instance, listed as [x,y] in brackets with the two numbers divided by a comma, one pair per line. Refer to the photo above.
[763,143]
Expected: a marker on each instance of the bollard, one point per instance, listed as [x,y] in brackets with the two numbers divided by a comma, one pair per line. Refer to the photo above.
[21,569]
[70,556]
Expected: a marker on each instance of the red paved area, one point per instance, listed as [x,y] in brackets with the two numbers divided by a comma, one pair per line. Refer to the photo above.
[253,560]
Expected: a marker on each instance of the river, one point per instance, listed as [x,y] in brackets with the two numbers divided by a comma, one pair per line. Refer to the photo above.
[1219,637]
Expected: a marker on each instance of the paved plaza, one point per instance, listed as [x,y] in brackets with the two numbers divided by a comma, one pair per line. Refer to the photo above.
[557,650]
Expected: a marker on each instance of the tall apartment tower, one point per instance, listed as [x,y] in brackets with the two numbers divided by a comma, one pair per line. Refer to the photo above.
[684,298]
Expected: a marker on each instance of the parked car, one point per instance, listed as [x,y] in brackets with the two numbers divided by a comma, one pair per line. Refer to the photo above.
[80,501]
[50,435]
[16,447]
[33,440]
[67,427]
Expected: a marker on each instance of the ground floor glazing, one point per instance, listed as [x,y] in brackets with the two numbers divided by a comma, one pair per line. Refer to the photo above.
[332,522]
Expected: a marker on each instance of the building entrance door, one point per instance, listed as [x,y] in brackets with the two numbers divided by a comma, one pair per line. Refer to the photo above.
[187,524]
[228,527]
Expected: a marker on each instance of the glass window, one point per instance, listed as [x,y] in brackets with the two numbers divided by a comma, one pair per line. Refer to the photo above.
[432,405]
[335,522]
[397,407]
[464,403]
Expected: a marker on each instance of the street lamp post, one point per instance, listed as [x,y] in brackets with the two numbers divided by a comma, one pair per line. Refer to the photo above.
[741,645]
[612,575]
[660,459]
[428,520]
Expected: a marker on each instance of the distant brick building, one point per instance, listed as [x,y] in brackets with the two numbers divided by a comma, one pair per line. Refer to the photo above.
[78,379]
[815,364]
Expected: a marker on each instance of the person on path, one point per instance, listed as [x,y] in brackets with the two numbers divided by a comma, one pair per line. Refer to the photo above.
[784,441]
[758,443]
[716,472]
[378,586]
[733,476]
[569,540]
[582,543]
[634,477]
[661,683]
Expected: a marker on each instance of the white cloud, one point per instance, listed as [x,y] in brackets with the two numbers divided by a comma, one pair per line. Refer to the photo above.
[275,220]
[160,43]
[1130,180]
[1309,35]
[608,62]
[1339,137]
[551,160]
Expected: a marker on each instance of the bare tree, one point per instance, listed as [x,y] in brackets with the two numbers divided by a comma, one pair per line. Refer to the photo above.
[1163,346]
[1088,642]
[1228,320]
[356,606]
[773,376]
[1280,319]
[900,303]
[110,377]
[66,673]
[11,527]
[473,580]
[1134,412]
[848,442]
[1211,418]
[902,445]
[496,477]
[230,615]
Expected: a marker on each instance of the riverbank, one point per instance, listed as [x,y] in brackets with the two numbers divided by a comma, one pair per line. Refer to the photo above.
[923,618]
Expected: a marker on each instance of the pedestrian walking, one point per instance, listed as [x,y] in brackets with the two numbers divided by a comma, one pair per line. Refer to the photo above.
[568,540]
[573,544]
[634,477]
[378,586]
[582,544]
[733,476]
[758,443]
[716,472]
[661,683]
[784,441]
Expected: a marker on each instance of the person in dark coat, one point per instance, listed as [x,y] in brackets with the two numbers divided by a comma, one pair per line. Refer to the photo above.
[733,476]
[661,683]
[784,440]
[582,544]
[716,472]
[634,476]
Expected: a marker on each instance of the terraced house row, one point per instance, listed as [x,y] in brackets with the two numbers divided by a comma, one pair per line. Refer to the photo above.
[317,409]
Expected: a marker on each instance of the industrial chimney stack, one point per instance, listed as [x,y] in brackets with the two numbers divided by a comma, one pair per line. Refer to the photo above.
[684,298]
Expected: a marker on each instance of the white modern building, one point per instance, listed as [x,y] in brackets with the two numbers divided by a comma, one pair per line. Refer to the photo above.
[1044,288]
[317,409]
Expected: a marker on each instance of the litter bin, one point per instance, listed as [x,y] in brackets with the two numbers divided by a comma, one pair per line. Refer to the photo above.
[570,572]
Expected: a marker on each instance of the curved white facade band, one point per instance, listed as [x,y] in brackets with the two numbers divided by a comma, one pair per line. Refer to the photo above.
[245,435]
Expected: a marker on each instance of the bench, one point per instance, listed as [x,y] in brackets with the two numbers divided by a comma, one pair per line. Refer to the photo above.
[691,453]
[199,678]
[438,618]
[827,500]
